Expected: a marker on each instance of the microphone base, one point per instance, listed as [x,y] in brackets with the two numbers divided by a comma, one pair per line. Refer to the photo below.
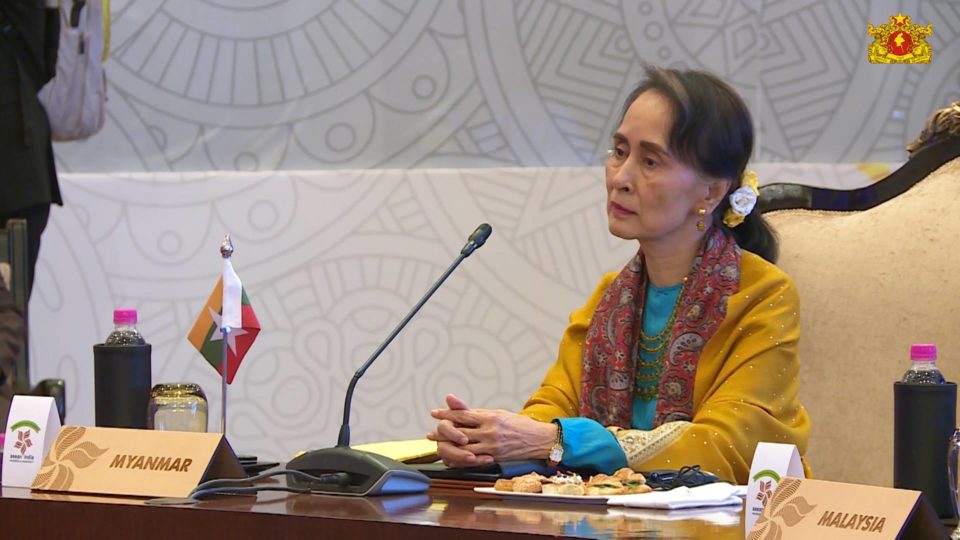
[370,474]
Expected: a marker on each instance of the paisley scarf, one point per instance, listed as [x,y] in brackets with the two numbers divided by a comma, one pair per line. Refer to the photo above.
[612,342]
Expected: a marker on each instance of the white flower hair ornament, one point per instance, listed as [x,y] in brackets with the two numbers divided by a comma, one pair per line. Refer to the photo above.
[742,200]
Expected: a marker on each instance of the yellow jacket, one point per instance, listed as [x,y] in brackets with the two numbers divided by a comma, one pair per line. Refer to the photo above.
[745,389]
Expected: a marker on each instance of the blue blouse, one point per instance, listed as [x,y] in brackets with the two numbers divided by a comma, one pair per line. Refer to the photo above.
[586,443]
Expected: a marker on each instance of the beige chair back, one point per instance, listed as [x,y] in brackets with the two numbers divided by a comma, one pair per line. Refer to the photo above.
[871,283]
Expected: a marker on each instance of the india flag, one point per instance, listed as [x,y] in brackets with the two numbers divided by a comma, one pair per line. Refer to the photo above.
[236,312]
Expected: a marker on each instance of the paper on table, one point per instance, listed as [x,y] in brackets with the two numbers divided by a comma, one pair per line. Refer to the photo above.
[717,515]
[550,497]
[409,451]
[717,494]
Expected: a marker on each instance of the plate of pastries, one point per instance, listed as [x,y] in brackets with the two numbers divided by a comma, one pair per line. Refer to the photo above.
[570,487]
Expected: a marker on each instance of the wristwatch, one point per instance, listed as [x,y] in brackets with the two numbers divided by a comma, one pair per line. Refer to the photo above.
[556,451]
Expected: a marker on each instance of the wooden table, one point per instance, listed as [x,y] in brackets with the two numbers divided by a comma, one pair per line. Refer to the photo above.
[443,513]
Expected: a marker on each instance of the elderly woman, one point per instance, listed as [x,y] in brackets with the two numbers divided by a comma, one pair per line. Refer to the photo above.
[687,356]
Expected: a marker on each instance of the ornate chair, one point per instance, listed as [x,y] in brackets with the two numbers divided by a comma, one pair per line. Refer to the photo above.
[877,269]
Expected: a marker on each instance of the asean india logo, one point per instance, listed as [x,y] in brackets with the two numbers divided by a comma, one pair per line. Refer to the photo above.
[765,488]
[23,444]
[899,42]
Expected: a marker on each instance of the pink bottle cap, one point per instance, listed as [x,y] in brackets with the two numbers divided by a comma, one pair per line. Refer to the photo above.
[923,352]
[124,316]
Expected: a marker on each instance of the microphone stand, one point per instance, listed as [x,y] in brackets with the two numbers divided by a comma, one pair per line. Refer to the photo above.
[369,473]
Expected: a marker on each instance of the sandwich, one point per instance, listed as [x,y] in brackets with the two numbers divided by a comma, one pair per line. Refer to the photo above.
[564,484]
[633,481]
[602,484]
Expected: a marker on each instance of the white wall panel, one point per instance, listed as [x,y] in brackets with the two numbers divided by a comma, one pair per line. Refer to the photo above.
[331,261]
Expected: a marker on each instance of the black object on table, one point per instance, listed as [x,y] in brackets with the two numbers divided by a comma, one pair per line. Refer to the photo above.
[122,382]
[924,417]
[486,473]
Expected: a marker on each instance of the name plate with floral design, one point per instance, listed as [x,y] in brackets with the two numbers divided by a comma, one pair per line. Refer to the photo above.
[135,462]
[803,509]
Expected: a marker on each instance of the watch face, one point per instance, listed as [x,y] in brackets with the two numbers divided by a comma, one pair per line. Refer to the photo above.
[556,454]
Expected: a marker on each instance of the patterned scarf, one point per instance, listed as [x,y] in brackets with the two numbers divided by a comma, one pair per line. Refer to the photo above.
[612,343]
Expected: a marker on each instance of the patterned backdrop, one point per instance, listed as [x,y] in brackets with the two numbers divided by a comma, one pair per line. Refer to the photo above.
[351,146]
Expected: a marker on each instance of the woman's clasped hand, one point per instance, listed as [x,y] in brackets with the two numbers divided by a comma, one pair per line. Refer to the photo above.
[474,437]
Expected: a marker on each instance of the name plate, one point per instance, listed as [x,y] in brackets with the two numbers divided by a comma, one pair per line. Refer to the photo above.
[804,509]
[135,462]
[32,425]
[771,462]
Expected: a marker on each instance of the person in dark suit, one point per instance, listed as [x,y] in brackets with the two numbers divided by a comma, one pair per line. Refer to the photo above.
[11,341]
[28,178]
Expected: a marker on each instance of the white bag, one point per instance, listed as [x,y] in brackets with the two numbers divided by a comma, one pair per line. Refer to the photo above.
[75,99]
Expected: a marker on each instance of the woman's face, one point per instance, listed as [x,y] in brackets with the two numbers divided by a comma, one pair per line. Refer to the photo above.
[651,196]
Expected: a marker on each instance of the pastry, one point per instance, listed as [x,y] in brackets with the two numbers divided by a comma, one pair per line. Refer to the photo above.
[503,484]
[527,484]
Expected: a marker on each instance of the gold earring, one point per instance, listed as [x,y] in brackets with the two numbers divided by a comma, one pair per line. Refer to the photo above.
[701,226]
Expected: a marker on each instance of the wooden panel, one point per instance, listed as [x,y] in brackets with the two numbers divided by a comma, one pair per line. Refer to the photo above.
[441,514]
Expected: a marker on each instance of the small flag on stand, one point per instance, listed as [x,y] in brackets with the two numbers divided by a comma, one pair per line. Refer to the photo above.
[205,334]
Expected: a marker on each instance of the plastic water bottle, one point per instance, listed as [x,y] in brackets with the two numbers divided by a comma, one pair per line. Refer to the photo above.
[924,369]
[125,329]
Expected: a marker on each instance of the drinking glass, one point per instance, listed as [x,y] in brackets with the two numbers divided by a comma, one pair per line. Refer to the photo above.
[177,407]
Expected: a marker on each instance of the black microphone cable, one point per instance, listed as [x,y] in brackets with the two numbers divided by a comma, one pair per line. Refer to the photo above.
[242,486]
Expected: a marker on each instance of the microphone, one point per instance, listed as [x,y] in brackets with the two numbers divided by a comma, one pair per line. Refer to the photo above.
[369,473]
[477,239]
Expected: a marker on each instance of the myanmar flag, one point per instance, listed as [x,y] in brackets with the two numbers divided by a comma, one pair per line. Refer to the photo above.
[207,338]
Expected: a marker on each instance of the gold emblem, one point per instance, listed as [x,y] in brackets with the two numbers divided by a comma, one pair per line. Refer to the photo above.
[899,42]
